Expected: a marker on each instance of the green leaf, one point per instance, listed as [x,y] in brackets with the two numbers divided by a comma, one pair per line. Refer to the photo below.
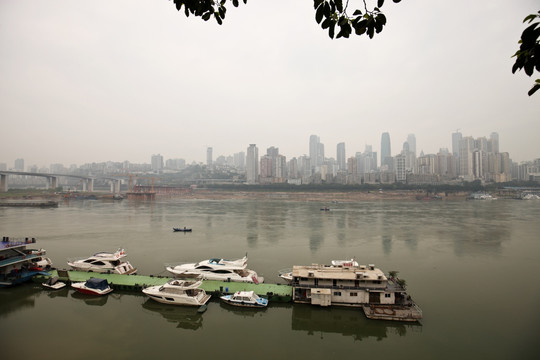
[319,14]
[331,30]
[380,3]
[317,3]
[534,89]
[235,3]
[357,12]
[339,5]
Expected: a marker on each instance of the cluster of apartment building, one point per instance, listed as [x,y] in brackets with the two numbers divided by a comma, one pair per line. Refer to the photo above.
[470,159]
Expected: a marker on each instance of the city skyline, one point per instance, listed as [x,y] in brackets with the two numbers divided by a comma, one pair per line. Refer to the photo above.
[76,93]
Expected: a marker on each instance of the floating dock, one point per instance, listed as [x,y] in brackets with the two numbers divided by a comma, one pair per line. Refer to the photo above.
[274,292]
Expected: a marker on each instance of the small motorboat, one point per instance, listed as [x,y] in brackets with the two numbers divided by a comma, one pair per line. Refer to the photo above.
[325,209]
[345,263]
[93,286]
[185,229]
[245,299]
[54,283]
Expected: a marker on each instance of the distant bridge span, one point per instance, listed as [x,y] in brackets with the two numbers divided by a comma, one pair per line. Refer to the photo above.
[52,180]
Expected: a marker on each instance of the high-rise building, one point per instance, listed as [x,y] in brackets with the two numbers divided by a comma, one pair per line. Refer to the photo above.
[316,151]
[456,139]
[252,164]
[342,164]
[386,151]
[411,139]
[157,163]
[493,145]
[209,158]
[19,165]
[239,160]
[466,147]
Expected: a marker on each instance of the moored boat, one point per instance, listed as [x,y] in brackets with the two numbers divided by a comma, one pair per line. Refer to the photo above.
[93,286]
[54,283]
[178,292]
[104,262]
[245,299]
[175,229]
[217,269]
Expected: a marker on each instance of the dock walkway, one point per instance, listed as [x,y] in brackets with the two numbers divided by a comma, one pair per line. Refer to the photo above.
[274,292]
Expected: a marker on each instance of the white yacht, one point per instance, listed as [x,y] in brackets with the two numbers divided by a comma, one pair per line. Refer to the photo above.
[178,292]
[217,269]
[104,262]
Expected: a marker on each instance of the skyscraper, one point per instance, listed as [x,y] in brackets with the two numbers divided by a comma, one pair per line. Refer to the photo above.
[314,149]
[411,139]
[494,140]
[252,164]
[157,163]
[386,150]
[456,139]
[342,165]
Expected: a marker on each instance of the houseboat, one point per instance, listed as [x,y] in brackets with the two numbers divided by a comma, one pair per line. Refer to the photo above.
[17,263]
[367,287]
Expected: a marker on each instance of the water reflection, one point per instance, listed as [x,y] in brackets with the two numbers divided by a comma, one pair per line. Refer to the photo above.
[185,317]
[17,298]
[242,311]
[90,299]
[345,321]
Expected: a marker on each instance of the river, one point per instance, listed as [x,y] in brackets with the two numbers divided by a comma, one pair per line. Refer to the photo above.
[470,265]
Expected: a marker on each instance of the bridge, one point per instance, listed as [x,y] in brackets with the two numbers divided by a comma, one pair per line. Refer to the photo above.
[52,180]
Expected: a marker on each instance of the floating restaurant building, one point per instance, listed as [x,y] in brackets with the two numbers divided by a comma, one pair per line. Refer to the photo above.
[362,286]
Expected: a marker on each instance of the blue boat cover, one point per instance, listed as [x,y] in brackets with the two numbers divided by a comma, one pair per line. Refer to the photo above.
[95,283]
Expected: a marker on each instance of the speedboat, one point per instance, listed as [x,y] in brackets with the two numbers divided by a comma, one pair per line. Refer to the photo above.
[245,299]
[345,263]
[104,262]
[217,269]
[54,283]
[93,286]
[178,292]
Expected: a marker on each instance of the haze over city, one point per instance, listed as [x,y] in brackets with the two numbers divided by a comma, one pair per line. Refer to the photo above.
[90,82]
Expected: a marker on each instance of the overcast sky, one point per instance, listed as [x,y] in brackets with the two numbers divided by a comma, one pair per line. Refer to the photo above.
[92,81]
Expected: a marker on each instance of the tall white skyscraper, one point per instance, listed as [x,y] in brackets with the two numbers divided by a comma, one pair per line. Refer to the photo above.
[252,164]
[411,139]
[386,151]
[157,163]
[342,164]
[314,151]
[456,139]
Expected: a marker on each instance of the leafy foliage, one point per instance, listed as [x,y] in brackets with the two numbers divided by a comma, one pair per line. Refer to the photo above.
[206,8]
[528,55]
[330,14]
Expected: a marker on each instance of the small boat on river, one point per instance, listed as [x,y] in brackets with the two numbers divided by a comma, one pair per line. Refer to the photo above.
[181,229]
[245,299]
[54,283]
[93,286]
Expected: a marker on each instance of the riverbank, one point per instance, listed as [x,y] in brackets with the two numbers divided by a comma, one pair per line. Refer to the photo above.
[334,196]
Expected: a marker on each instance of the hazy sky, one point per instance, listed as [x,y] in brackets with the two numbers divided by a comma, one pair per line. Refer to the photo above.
[91,81]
